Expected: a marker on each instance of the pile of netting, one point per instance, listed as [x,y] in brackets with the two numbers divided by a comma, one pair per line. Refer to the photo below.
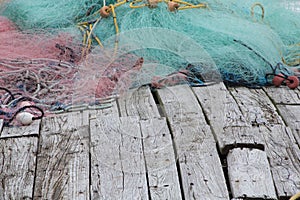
[66,53]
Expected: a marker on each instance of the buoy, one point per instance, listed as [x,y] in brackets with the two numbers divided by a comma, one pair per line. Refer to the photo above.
[24,118]
[104,12]
[152,3]
[278,79]
[292,82]
[25,103]
[172,6]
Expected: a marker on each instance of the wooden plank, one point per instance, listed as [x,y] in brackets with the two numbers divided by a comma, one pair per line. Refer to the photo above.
[139,102]
[256,106]
[230,127]
[283,95]
[200,167]
[280,144]
[117,160]
[179,103]
[249,174]
[17,167]
[63,158]
[17,131]
[201,171]
[291,115]
[110,111]
[66,121]
[284,158]
[160,160]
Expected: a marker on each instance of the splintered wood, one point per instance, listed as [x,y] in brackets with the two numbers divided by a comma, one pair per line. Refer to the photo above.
[139,102]
[63,158]
[230,126]
[201,171]
[17,168]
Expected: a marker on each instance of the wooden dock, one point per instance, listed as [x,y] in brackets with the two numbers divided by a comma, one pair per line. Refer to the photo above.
[206,143]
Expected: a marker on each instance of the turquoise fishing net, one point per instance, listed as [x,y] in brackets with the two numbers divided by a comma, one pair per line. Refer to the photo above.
[236,41]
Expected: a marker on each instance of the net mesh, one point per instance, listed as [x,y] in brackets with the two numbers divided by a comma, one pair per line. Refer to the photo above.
[69,50]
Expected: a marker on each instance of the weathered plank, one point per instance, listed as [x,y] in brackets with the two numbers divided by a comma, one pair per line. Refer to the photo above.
[65,121]
[63,158]
[109,111]
[117,160]
[17,131]
[256,106]
[200,167]
[284,158]
[179,103]
[160,160]
[230,127]
[249,174]
[139,102]
[283,95]
[280,145]
[291,115]
[17,167]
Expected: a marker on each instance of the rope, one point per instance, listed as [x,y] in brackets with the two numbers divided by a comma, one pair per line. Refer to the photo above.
[295,197]
[262,10]
[88,31]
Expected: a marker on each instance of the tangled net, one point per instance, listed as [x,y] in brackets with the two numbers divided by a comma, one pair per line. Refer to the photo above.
[66,53]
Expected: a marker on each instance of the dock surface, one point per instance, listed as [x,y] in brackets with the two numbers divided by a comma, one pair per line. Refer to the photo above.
[206,143]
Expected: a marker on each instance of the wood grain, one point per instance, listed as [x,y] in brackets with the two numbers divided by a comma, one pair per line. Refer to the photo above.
[280,144]
[284,158]
[249,174]
[283,95]
[17,131]
[63,158]
[179,103]
[139,102]
[160,160]
[200,167]
[229,125]
[291,115]
[17,167]
[117,160]
[110,111]
[256,106]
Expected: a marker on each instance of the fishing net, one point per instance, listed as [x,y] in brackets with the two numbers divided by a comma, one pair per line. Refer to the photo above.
[64,53]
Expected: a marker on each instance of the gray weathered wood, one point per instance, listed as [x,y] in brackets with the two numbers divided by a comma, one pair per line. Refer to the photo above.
[110,111]
[15,131]
[17,167]
[291,115]
[160,160]
[65,121]
[283,95]
[228,123]
[138,102]
[280,145]
[63,158]
[256,106]
[179,103]
[249,174]
[284,158]
[200,167]
[117,160]
[1,125]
